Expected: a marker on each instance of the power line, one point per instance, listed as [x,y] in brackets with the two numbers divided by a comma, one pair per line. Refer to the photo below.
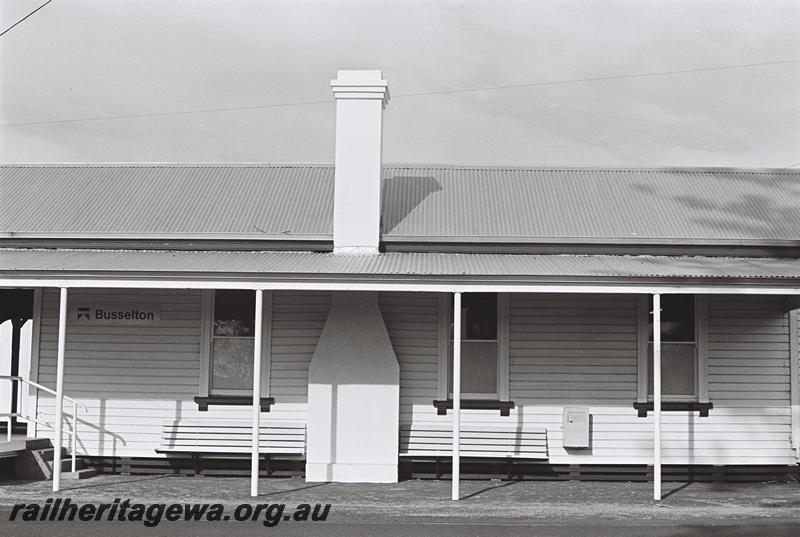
[161,114]
[600,78]
[4,32]
[404,95]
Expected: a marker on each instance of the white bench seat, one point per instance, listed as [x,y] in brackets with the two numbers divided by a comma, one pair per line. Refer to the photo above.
[197,436]
[508,441]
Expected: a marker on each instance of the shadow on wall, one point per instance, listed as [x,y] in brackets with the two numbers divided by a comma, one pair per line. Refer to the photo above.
[401,195]
[86,423]
[104,435]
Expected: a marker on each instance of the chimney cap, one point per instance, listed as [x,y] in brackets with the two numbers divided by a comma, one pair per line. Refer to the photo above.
[360,84]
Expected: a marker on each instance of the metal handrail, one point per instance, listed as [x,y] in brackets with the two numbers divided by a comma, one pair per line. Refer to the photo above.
[73,429]
[43,388]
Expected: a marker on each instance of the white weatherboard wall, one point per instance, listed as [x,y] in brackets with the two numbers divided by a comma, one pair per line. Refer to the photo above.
[134,378]
[296,328]
[581,350]
[749,382]
[412,324]
[353,396]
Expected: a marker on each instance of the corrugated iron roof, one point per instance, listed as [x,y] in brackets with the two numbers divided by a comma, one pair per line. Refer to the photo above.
[14,262]
[254,201]
[420,203]
[530,204]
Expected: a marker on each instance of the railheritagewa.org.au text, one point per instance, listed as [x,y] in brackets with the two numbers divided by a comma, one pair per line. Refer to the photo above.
[152,514]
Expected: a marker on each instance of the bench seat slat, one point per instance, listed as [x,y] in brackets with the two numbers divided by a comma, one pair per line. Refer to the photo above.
[247,437]
[477,440]
[193,436]
[505,441]
[473,428]
[233,444]
[485,454]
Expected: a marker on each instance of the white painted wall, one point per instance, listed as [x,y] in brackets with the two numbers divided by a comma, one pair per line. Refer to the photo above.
[133,378]
[353,396]
[581,350]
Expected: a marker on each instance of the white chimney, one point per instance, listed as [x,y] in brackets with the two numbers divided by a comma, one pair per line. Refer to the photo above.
[361,96]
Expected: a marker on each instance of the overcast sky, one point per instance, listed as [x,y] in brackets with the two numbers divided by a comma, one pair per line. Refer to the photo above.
[113,80]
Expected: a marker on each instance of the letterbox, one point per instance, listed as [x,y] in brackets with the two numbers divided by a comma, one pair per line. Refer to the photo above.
[576,427]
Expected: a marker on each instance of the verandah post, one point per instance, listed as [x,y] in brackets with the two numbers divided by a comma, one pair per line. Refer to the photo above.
[456,395]
[656,396]
[254,456]
[62,333]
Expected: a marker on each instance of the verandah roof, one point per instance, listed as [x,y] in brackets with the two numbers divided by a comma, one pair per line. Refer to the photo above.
[395,266]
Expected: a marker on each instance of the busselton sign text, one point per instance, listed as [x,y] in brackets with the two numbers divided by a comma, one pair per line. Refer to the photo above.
[116,314]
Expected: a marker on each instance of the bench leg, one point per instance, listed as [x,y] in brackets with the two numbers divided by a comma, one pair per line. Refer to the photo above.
[438,469]
[196,463]
[267,465]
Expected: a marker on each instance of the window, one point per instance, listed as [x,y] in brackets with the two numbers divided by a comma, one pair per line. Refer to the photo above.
[683,355]
[229,332]
[484,346]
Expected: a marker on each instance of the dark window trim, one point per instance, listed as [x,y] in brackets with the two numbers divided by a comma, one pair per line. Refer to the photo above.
[675,406]
[242,400]
[442,406]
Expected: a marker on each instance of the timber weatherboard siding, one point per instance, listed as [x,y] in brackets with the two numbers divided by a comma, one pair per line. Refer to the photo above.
[564,350]
[298,319]
[411,320]
[132,378]
[582,350]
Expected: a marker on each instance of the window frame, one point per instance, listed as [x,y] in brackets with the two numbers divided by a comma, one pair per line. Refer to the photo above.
[206,341]
[701,352]
[445,358]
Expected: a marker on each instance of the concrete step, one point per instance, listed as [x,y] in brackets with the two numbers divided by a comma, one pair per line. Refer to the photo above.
[28,465]
[20,443]
[38,443]
[84,473]
[38,464]
[66,464]
[33,459]
[47,453]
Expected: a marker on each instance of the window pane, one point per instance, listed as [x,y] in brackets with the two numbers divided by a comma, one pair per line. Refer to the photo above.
[478,367]
[677,318]
[478,316]
[232,364]
[677,369]
[234,313]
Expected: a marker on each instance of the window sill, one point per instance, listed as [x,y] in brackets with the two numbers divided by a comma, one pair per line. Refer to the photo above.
[242,400]
[475,404]
[675,406]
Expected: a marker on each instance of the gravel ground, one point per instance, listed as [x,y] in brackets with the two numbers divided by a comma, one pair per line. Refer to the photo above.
[428,499]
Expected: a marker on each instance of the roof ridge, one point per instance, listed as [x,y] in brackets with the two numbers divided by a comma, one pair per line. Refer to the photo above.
[413,166]
[166,165]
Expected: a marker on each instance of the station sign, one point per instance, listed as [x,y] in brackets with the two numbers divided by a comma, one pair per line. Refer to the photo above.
[116,314]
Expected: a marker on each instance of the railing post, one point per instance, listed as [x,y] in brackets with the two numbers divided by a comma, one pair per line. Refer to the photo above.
[21,410]
[456,396]
[8,419]
[62,332]
[74,444]
[255,454]
[657,397]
